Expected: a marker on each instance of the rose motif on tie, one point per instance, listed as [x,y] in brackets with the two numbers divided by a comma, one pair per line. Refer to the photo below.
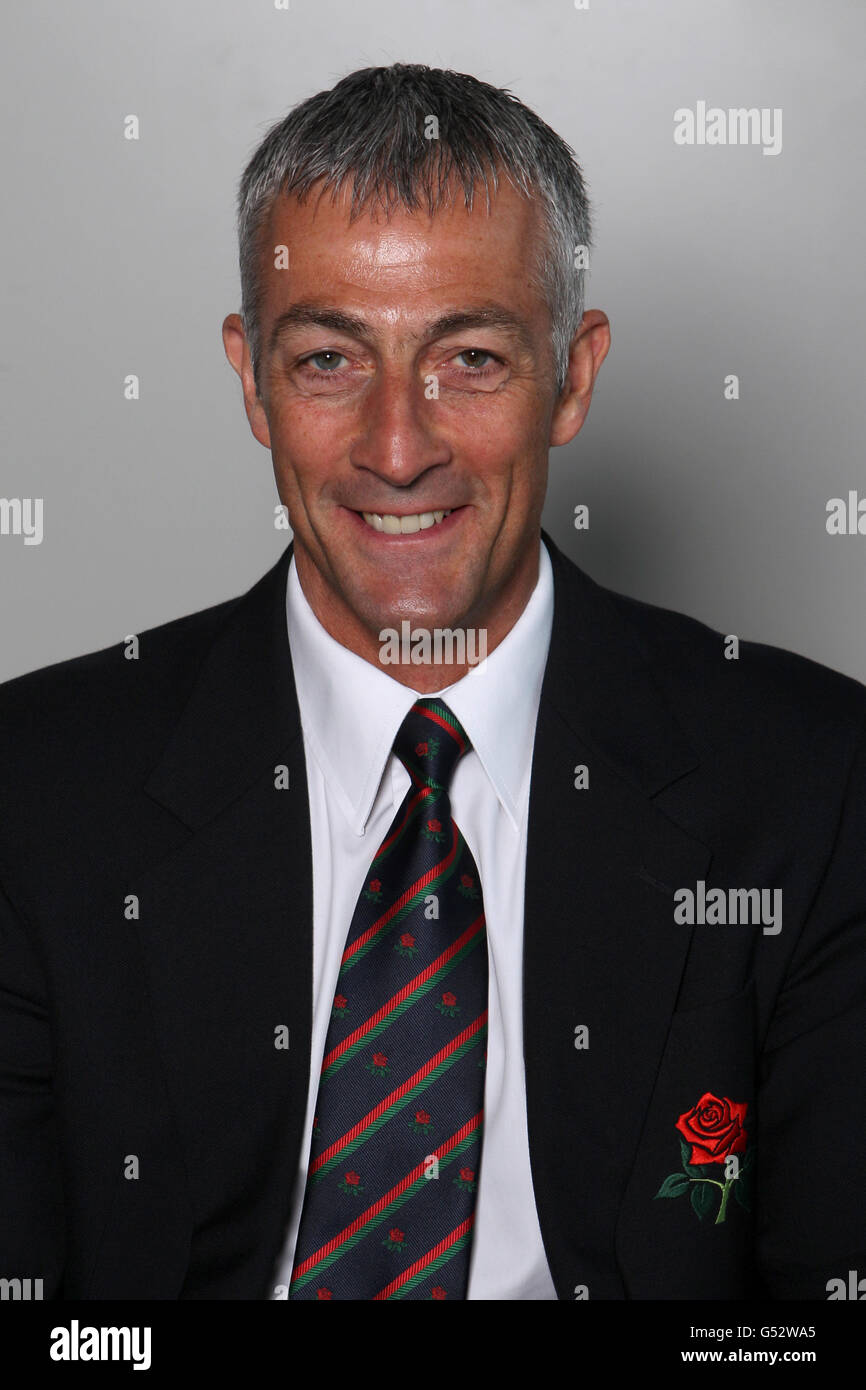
[466,1179]
[448,1005]
[378,1065]
[406,945]
[712,1134]
[467,887]
[432,830]
[373,891]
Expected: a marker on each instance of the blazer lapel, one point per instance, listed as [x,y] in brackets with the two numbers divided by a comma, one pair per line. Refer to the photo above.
[601,950]
[226,935]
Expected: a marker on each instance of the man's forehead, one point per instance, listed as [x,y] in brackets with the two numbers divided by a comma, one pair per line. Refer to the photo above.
[407,269]
[394,235]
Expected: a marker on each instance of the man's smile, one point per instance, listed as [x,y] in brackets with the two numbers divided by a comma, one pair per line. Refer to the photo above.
[398,526]
[394,525]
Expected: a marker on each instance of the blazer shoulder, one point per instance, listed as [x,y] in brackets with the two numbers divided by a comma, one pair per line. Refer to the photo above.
[104,704]
[168,649]
[738,682]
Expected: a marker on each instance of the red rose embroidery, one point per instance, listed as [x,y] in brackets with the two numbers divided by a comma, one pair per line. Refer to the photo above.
[353,1179]
[406,945]
[373,891]
[394,1240]
[438,1292]
[421,750]
[433,831]
[448,1006]
[378,1065]
[467,887]
[714,1128]
[465,1180]
[422,1117]
[324,1293]
[713,1132]
[340,1001]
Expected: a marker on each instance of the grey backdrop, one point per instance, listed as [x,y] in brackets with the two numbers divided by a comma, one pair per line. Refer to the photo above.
[120,257]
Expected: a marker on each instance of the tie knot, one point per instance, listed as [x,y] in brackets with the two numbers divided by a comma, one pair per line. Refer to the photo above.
[429,743]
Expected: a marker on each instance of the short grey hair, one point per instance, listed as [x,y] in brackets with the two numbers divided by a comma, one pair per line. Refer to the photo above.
[371,127]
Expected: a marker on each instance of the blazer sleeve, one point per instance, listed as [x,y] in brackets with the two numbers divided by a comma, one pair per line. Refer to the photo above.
[811,1159]
[31,1201]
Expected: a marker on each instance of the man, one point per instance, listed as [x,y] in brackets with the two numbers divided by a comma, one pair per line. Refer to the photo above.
[271,894]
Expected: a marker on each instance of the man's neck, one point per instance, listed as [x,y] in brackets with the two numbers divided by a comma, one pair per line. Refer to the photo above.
[437,651]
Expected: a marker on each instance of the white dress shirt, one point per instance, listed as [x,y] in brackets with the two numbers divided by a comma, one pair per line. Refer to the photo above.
[350,713]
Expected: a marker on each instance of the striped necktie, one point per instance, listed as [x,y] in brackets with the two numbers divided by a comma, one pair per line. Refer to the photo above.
[389,1203]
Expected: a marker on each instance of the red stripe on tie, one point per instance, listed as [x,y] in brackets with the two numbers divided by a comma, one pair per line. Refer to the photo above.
[406,896]
[422,1072]
[425,1260]
[395,835]
[366,1216]
[402,994]
[443,724]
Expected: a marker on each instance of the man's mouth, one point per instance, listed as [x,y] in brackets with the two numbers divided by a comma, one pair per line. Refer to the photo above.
[403,525]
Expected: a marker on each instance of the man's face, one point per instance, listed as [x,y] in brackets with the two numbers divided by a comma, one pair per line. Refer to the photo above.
[406,371]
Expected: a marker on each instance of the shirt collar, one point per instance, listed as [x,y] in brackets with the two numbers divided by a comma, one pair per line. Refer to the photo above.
[351,710]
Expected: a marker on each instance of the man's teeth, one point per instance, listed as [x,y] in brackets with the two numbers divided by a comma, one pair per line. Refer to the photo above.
[404,525]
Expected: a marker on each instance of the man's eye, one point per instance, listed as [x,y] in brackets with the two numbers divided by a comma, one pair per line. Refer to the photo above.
[318,359]
[474,354]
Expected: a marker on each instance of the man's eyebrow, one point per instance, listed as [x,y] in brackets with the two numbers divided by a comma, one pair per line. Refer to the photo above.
[305,315]
[485,316]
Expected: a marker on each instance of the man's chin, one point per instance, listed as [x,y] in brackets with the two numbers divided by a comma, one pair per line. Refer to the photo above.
[411,617]
[434,603]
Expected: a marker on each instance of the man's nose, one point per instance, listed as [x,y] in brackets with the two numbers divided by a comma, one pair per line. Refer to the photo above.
[397,436]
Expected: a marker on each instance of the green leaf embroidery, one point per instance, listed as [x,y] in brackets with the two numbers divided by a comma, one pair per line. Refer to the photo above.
[674,1185]
[703,1198]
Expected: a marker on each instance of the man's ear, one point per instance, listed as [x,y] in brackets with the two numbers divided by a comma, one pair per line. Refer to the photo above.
[238,353]
[589,348]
